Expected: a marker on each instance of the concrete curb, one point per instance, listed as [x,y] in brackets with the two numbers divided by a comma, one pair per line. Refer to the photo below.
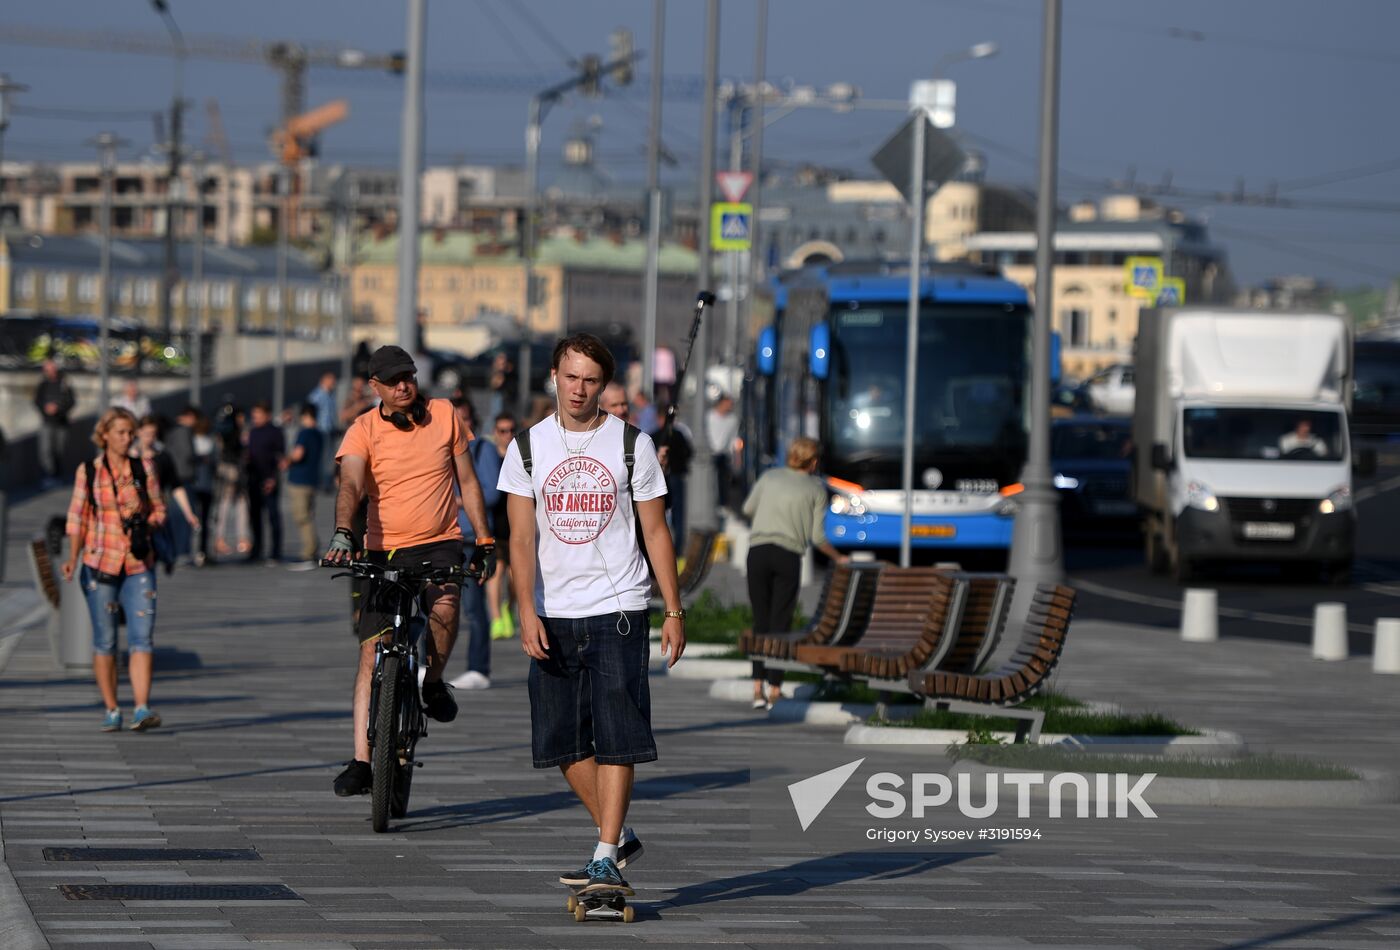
[703,669]
[1225,743]
[1373,788]
[18,928]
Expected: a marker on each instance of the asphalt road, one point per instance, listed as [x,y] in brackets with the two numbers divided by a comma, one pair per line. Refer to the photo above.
[1256,601]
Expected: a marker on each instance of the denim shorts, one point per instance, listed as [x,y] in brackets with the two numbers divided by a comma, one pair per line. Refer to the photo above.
[590,699]
[135,595]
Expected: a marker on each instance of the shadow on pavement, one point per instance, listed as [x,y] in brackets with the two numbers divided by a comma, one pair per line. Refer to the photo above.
[494,810]
[1382,912]
[811,874]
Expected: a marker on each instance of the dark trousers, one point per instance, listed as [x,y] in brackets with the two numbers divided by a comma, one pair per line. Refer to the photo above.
[675,512]
[203,508]
[258,503]
[478,628]
[775,577]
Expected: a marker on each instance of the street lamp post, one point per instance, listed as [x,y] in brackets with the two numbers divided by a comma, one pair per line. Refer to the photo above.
[1035,540]
[107,144]
[197,319]
[177,105]
[6,87]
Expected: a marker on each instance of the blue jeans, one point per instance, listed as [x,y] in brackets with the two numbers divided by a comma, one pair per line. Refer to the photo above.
[135,594]
[478,627]
[590,699]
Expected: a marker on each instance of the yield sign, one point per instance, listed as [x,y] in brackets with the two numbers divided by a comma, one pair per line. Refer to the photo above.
[733,185]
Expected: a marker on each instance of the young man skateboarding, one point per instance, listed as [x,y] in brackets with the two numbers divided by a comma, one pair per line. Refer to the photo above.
[581,583]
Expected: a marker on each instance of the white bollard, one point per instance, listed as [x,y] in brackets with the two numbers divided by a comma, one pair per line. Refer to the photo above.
[1386,658]
[1330,632]
[1199,619]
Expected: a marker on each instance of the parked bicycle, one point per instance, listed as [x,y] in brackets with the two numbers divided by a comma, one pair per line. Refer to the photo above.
[396,719]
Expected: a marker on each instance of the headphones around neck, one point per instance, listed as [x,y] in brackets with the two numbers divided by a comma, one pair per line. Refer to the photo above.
[416,414]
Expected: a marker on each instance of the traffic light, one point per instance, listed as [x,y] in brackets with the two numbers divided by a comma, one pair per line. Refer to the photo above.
[590,67]
[620,52]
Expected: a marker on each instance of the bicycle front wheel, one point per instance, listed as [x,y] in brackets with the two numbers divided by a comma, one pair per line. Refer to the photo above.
[384,758]
[410,715]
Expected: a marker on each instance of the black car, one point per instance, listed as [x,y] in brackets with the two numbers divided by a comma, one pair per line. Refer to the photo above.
[1375,411]
[1093,461]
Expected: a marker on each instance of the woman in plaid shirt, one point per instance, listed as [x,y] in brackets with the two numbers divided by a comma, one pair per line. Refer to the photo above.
[112,577]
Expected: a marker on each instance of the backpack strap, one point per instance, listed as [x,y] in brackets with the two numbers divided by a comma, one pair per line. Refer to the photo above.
[90,467]
[522,441]
[629,452]
[138,475]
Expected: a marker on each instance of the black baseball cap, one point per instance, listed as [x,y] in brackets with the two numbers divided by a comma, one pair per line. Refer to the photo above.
[390,361]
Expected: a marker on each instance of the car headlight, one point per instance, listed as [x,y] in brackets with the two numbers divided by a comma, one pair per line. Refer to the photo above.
[1200,497]
[1339,500]
[1067,482]
[847,505]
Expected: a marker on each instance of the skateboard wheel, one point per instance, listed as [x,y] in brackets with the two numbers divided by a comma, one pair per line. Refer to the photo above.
[628,915]
[571,903]
[580,913]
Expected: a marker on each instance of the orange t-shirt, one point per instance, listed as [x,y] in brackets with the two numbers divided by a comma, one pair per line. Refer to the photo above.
[411,476]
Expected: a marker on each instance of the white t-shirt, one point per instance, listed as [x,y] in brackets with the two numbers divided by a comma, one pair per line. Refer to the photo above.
[588,557]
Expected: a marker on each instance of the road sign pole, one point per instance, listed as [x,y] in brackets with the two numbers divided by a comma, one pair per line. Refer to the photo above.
[911,336]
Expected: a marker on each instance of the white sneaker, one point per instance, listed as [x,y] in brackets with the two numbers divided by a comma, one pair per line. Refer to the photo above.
[302,566]
[471,679]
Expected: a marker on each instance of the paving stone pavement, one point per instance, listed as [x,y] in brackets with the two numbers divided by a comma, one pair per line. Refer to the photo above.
[254,671]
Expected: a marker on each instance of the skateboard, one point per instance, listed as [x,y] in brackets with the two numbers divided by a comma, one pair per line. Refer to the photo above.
[608,904]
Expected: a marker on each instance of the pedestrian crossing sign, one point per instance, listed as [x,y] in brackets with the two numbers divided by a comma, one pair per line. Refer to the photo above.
[1143,277]
[1172,292]
[731,226]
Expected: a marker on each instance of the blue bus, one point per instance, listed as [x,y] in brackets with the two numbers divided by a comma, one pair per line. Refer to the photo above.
[832,366]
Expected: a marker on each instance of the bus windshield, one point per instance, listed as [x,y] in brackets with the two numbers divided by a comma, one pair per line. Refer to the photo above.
[972,368]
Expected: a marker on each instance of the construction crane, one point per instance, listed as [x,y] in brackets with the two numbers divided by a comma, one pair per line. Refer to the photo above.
[291,59]
[292,142]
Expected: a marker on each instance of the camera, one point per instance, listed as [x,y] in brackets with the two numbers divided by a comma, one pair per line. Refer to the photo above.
[138,531]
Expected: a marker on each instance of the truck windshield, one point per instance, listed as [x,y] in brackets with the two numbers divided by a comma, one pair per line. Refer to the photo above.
[1299,435]
[972,363]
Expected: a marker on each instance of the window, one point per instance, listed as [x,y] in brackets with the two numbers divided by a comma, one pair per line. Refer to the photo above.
[87,288]
[330,301]
[305,301]
[274,299]
[191,295]
[145,292]
[1074,324]
[1112,315]
[250,298]
[55,287]
[220,295]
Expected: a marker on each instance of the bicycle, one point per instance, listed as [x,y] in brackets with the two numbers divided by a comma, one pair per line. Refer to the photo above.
[395,706]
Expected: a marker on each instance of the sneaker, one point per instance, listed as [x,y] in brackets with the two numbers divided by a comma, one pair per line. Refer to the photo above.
[630,850]
[355,780]
[499,630]
[603,875]
[472,679]
[760,704]
[575,878]
[144,719]
[300,566]
[438,701]
[112,721]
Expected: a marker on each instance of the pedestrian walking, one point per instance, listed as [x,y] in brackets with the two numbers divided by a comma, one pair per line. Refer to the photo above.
[54,399]
[787,513]
[303,467]
[722,433]
[585,498]
[180,522]
[231,529]
[204,481]
[475,597]
[116,502]
[263,463]
[322,399]
[133,400]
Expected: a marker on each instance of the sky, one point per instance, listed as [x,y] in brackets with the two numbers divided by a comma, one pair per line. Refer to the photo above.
[1291,97]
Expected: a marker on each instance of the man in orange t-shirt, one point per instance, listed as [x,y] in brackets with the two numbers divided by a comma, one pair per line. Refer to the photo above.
[410,457]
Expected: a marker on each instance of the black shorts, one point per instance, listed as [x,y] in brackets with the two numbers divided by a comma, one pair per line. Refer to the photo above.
[376,618]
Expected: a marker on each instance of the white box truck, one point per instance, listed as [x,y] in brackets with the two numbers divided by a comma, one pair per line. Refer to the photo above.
[1241,444]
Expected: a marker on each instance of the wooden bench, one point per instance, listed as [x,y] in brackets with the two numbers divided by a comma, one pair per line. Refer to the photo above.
[1020,677]
[699,553]
[972,633]
[912,609]
[846,596]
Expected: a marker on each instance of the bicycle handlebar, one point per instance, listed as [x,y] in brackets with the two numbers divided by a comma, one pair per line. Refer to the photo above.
[406,573]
